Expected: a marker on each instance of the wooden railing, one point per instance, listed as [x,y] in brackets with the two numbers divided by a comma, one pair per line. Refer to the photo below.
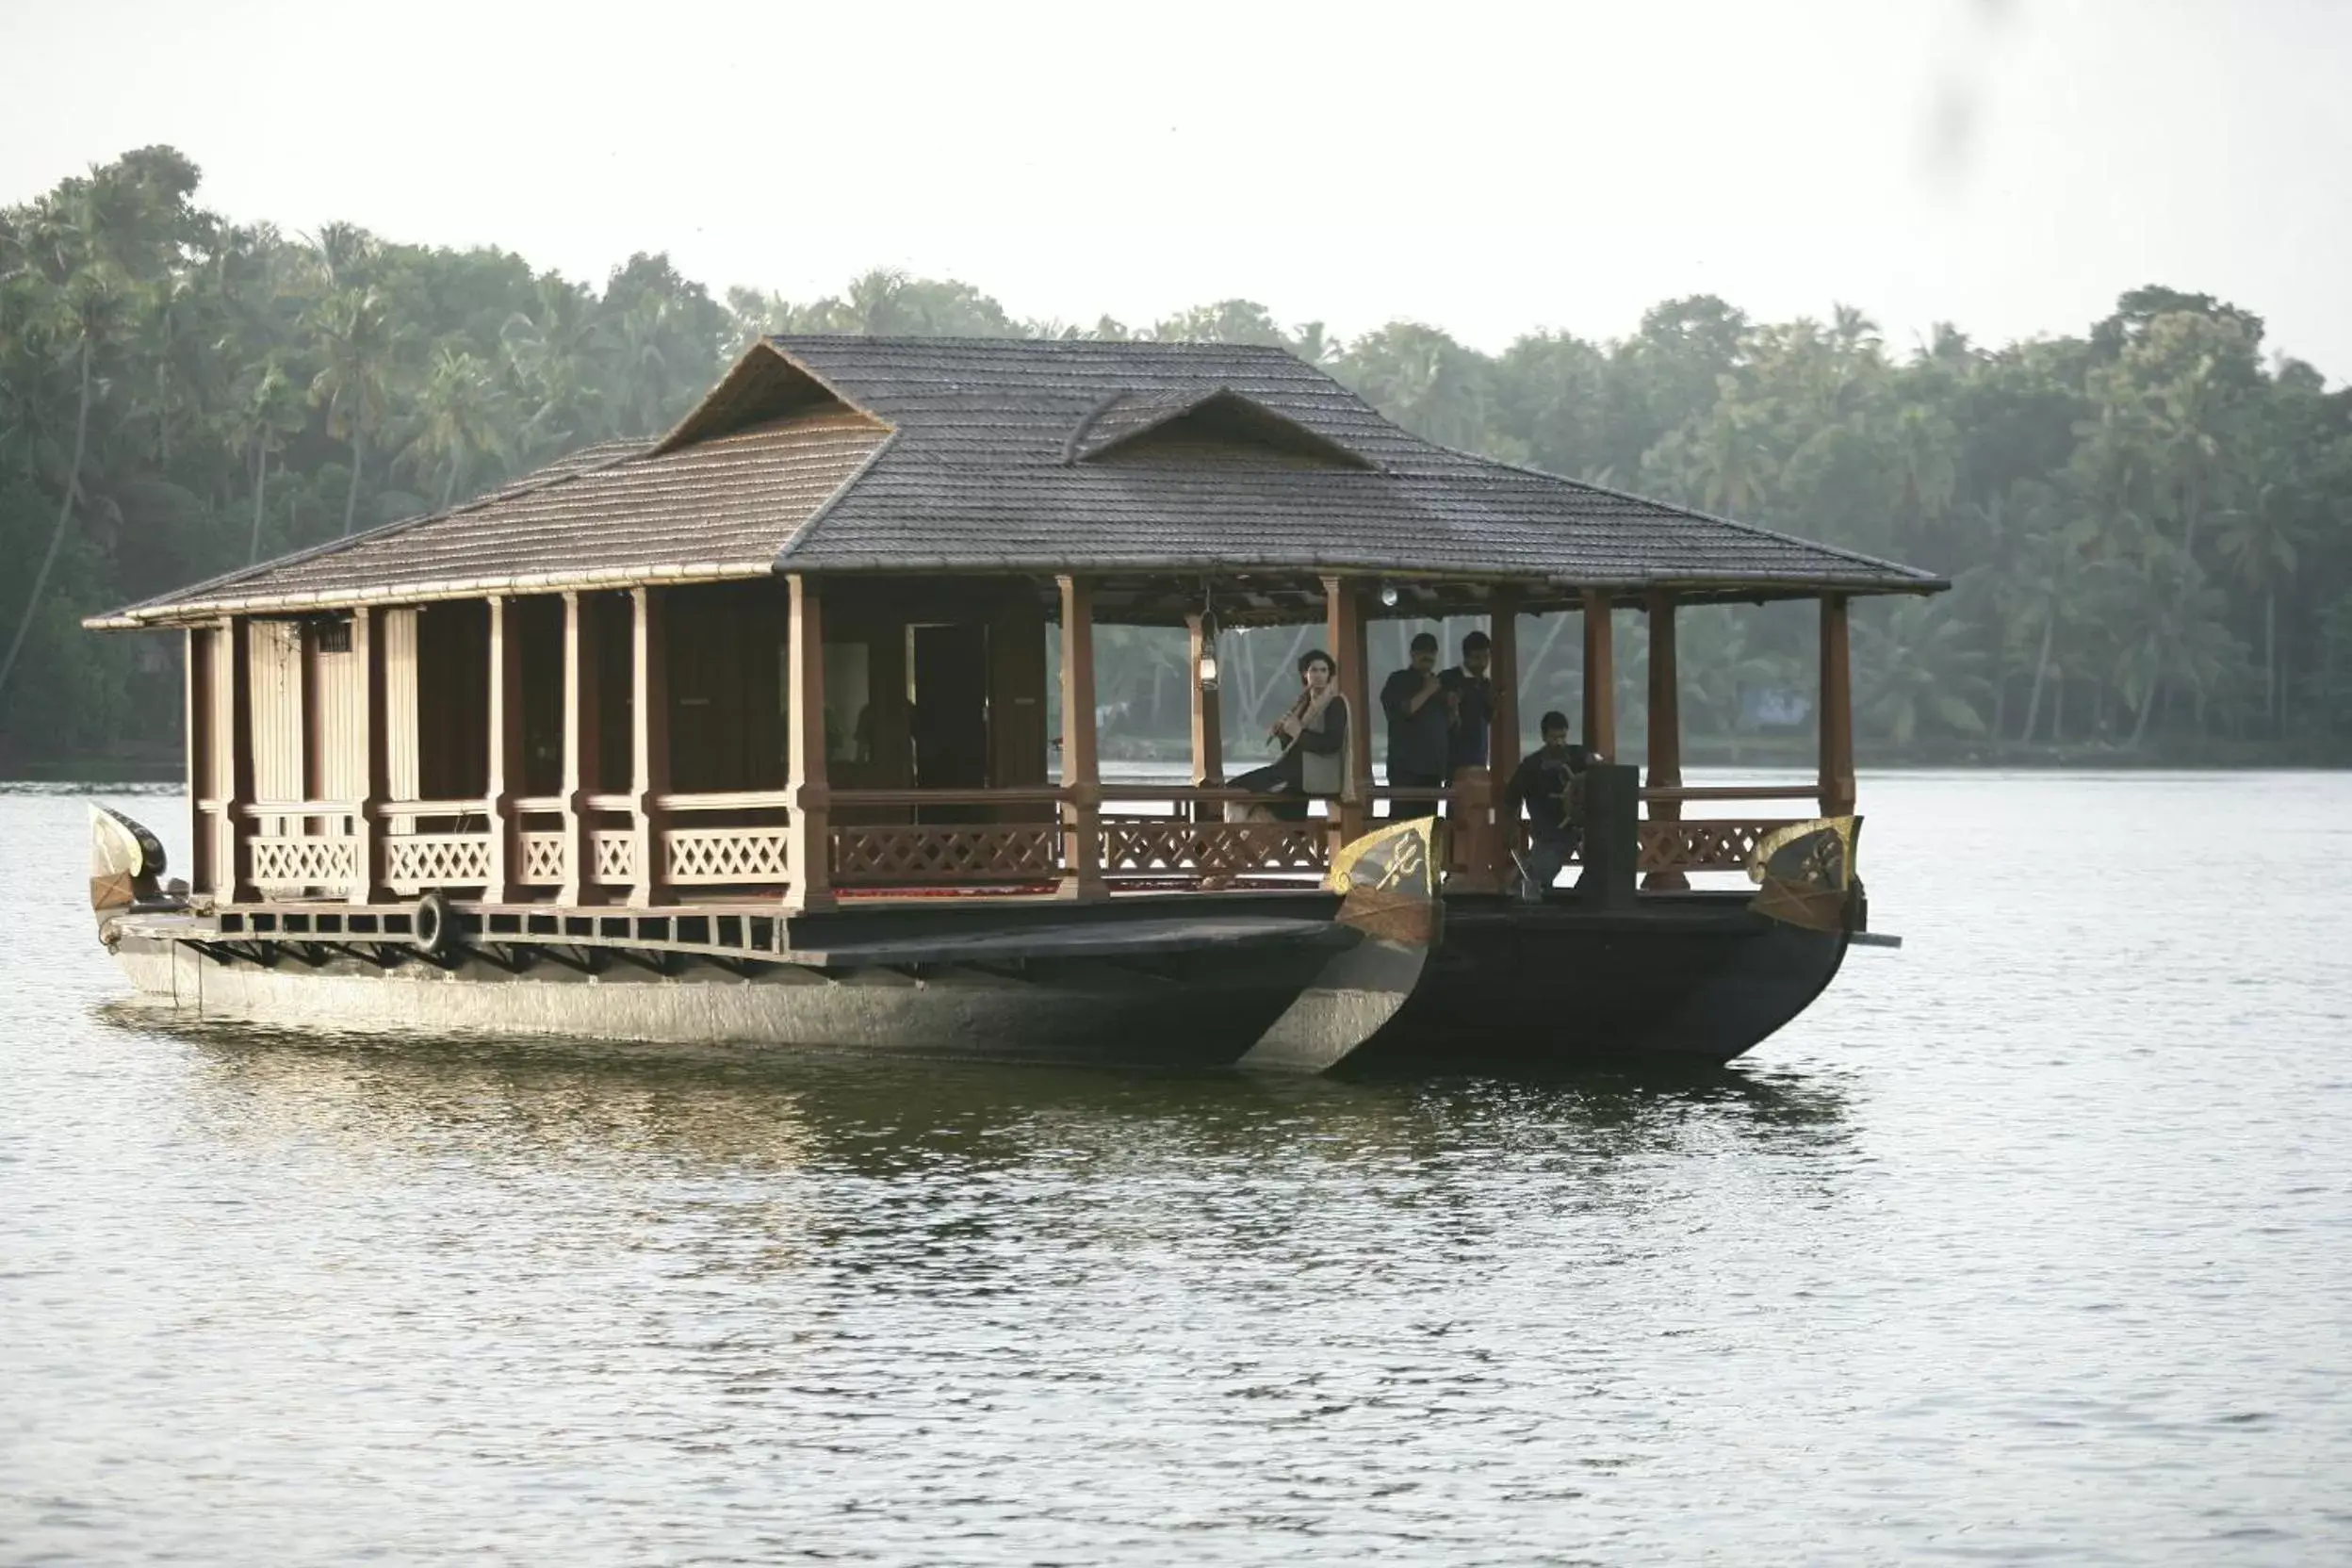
[1144,834]
[1671,844]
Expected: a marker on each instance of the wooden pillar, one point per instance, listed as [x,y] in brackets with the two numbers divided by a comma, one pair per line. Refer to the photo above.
[1502,745]
[1837,711]
[650,741]
[582,745]
[233,755]
[808,847]
[506,743]
[1665,728]
[195,726]
[375,768]
[1342,600]
[1502,752]
[1600,677]
[1082,779]
[1208,732]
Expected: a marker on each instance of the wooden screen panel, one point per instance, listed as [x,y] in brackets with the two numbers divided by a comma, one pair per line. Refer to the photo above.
[453,700]
[726,658]
[612,623]
[539,622]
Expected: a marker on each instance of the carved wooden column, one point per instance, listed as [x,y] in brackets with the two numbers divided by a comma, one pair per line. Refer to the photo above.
[375,767]
[650,741]
[1837,711]
[583,744]
[233,755]
[1665,737]
[1600,677]
[1342,600]
[1208,732]
[1082,779]
[809,844]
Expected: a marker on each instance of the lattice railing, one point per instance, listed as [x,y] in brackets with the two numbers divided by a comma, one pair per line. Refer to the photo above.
[1010,852]
[1213,848]
[415,861]
[1706,844]
[304,860]
[543,860]
[718,854]
[616,854]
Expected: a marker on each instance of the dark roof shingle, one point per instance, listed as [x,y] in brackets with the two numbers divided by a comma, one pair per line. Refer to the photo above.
[1015,455]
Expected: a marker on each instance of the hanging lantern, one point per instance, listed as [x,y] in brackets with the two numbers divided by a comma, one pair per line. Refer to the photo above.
[1388,594]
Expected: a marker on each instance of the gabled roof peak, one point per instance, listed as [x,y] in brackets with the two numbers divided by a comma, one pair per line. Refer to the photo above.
[765,383]
[1210,416]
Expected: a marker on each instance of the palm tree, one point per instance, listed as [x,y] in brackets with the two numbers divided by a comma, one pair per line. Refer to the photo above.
[1924,667]
[550,362]
[82,314]
[266,413]
[1726,463]
[2170,634]
[641,368]
[457,420]
[2047,584]
[2261,545]
[354,341]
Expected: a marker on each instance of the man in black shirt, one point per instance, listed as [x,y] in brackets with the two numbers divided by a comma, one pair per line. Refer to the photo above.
[1546,782]
[1469,703]
[1415,700]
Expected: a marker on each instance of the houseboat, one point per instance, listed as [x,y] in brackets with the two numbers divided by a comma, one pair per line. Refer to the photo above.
[781,729]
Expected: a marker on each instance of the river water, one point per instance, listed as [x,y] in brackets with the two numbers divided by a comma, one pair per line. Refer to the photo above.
[2033,1241]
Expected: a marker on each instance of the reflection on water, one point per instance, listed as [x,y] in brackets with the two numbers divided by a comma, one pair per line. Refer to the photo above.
[2029,1242]
[734,1111]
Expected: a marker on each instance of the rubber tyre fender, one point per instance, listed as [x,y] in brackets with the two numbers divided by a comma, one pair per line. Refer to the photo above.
[433,927]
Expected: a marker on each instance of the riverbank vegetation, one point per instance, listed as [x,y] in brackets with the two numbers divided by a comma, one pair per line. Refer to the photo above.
[2148,525]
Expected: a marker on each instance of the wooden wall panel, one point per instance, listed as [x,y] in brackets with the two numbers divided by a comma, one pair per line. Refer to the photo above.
[334,720]
[274,676]
[399,703]
[1016,735]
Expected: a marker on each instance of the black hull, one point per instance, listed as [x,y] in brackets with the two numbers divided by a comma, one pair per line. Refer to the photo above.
[1517,988]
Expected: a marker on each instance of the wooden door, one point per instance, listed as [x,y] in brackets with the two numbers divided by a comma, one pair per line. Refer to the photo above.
[1017,737]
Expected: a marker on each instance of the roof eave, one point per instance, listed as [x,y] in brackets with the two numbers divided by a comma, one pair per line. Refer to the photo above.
[588,580]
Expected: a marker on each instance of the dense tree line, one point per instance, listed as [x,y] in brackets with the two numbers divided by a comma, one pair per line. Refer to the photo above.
[2149,525]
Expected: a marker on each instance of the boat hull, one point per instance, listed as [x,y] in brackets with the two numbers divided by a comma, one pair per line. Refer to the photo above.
[1517,989]
[1203,1009]
[1506,989]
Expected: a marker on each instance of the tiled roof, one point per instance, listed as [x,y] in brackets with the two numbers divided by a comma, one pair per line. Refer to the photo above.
[983,455]
[603,518]
[976,481]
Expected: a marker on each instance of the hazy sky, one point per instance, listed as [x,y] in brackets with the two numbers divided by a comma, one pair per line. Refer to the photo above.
[1486,169]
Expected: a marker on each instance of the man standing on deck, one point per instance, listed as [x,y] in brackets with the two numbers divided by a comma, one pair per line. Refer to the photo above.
[1547,781]
[1418,728]
[1469,705]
